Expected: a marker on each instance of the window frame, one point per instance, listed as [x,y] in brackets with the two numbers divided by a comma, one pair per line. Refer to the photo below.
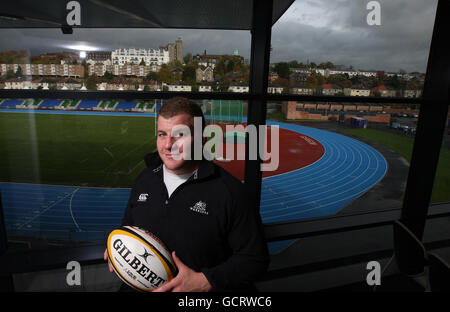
[427,142]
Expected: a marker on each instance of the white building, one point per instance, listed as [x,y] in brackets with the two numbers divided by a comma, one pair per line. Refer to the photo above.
[93,62]
[179,86]
[238,88]
[356,92]
[412,93]
[135,56]
[350,73]
[274,89]
[18,84]
[204,89]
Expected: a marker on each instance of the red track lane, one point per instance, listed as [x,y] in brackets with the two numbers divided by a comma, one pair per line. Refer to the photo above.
[295,151]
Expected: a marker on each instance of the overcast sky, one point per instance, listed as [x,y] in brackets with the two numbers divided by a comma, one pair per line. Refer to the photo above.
[311,30]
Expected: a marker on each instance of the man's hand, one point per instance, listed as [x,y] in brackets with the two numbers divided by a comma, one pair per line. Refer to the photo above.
[187,280]
[106,258]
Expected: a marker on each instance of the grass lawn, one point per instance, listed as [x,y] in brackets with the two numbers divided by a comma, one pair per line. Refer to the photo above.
[403,146]
[74,149]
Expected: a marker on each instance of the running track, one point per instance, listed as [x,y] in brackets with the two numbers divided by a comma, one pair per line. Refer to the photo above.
[347,170]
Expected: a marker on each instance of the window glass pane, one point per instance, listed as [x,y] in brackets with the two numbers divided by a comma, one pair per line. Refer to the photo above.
[345,48]
[352,48]
[337,159]
[66,175]
[125,60]
[60,150]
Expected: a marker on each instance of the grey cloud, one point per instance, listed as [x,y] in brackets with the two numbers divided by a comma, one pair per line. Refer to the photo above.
[194,41]
[401,42]
[343,37]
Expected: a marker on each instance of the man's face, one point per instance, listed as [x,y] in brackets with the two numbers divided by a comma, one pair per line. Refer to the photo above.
[174,143]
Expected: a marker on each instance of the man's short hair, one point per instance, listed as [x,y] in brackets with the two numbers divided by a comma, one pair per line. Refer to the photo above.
[180,105]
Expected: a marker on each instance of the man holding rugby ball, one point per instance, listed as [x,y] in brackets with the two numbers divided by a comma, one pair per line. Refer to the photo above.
[198,210]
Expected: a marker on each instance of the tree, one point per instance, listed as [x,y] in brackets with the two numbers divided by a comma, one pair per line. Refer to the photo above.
[108,76]
[142,62]
[223,86]
[315,80]
[18,73]
[374,82]
[10,74]
[294,64]
[282,69]
[187,58]
[91,82]
[220,68]
[392,82]
[165,74]
[189,73]
[151,76]
[175,63]
[340,80]
[230,66]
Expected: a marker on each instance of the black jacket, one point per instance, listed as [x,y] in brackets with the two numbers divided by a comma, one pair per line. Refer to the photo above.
[208,221]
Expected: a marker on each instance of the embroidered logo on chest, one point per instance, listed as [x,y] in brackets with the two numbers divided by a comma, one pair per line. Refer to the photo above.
[200,207]
[143,197]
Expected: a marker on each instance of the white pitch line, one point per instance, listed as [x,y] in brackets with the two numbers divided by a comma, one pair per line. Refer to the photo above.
[44,211]
[112,164]
[108,151]
[134,168]
[70,209]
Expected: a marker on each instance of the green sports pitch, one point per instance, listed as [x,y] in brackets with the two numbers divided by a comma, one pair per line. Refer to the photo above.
[228,111]
[403,146]
[87,150]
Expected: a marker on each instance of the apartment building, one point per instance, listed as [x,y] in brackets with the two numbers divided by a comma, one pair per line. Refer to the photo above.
[136,56]
[123,70]
[59,70]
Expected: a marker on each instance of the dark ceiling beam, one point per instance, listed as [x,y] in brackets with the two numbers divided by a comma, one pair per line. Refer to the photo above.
[258,82]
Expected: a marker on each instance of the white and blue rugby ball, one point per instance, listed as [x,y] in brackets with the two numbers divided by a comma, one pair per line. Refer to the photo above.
[139,258]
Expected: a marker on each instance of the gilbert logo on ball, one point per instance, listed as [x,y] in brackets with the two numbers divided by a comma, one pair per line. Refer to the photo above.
[139,258]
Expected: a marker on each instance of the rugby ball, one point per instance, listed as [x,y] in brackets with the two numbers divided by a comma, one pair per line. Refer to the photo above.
[139,258]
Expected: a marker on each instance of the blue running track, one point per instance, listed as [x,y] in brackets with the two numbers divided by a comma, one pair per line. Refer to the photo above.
[347,169]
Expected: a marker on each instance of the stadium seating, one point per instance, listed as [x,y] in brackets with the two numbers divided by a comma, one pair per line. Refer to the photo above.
[88,104]
[106,105]
[125,106]
[73,104]
[68,104]
[64,104]
[148,106]
[30,103]
[11,103]
[140,106]
[49,104]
